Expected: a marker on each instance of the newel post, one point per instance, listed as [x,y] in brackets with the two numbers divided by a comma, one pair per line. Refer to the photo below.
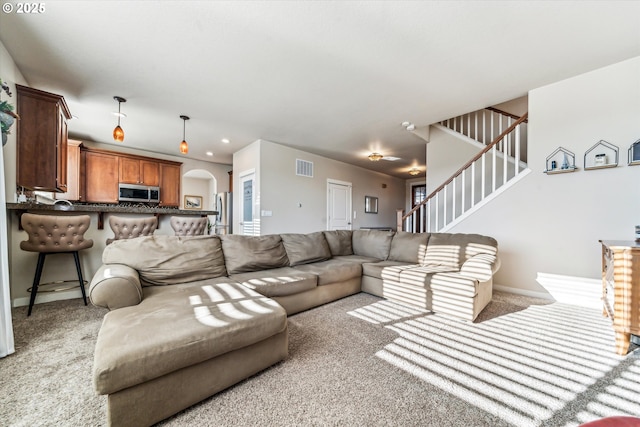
[399,215]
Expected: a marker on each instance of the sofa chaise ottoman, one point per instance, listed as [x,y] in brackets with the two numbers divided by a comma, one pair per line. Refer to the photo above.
[179,343]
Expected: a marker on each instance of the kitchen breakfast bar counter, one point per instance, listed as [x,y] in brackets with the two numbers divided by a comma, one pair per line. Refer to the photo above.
[101,209]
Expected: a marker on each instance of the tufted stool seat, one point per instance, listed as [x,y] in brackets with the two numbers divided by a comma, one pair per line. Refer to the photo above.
[52,234]
[128,228]
[189,225]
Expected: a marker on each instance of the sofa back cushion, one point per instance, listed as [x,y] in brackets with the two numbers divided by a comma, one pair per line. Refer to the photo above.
[453,249]
[243,254]
[306,248]
[372,243]
[409,247]
[339,242]
[166,260]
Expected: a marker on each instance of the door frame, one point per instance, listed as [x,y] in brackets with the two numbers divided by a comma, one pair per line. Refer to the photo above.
[241,178]
[346,184]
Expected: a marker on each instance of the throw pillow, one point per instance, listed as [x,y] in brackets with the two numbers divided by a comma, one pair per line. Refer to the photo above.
[167,260]
[409,247]
[372,243]
[453,249]
[339,242]
[252,253]
[306,248]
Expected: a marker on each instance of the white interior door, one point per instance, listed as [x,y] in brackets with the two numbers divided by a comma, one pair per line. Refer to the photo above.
[338,205]
[248,224]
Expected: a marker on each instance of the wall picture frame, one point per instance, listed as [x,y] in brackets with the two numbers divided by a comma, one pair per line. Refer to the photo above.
[193,202]
[370,204]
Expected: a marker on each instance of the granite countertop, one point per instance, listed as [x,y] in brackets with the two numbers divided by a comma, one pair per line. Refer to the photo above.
[102,208]
[109,208]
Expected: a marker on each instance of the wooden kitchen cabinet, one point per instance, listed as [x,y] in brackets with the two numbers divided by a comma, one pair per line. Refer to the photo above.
[41,140]
[99,176]
[102,171]
[138,171]
[621,289]
[170,176]
[73,172]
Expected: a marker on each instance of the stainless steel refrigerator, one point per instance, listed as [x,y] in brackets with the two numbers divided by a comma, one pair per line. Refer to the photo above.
[224,219]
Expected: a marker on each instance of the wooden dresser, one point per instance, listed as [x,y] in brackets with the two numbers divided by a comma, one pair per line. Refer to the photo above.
[621,289]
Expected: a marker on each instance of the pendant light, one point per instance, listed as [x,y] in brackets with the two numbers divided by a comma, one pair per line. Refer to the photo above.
[118,133]
[184,147]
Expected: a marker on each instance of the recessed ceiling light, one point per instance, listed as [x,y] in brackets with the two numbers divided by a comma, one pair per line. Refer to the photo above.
[390,158]
[225,141]
[209,153]
[405,124]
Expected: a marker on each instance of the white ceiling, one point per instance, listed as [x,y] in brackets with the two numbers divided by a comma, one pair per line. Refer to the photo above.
[332,78]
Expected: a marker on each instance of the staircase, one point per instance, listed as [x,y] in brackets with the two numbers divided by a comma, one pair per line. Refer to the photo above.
[501,162]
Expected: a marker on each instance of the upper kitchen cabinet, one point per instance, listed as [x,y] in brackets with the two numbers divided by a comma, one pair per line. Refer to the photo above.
[42,140]
[170,184]
[138,171]
[73,172]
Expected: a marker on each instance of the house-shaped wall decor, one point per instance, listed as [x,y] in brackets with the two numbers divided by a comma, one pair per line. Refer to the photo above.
[634,153]
[561,161]
[602,155]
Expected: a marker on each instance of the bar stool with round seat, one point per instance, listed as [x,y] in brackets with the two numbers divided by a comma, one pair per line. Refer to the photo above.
[128,228]
[189,225]
[53,234]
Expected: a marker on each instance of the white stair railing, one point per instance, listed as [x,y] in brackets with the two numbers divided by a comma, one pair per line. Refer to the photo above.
[495,165]
[484,126]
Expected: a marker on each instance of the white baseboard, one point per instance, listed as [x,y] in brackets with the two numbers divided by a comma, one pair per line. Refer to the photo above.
[580,291]
[525,292]
[43,297]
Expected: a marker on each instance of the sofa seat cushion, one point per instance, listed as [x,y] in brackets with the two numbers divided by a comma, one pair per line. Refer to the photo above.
[385,269]
[243,254]
[421,276]
[332,271]
[356,258]
[278,281]
[167,260]
[408,284]
[306,248]
[178,326]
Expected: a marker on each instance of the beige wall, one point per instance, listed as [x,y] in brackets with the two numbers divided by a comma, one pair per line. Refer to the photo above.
[299,204]
[246,161]
[548,226]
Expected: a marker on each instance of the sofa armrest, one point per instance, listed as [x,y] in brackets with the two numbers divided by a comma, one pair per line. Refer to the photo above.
[115,286]
[481,267]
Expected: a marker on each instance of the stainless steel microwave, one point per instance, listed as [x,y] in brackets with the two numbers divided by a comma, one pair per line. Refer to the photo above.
[138,193]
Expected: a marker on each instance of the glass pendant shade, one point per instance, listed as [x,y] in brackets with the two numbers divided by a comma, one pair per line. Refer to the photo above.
[118,134]
[184,147]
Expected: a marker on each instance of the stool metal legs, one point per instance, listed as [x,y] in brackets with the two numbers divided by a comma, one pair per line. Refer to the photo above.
[36,281]
[80,279]
[39,267]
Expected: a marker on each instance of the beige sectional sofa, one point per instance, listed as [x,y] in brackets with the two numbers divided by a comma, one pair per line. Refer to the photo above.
[190,316]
